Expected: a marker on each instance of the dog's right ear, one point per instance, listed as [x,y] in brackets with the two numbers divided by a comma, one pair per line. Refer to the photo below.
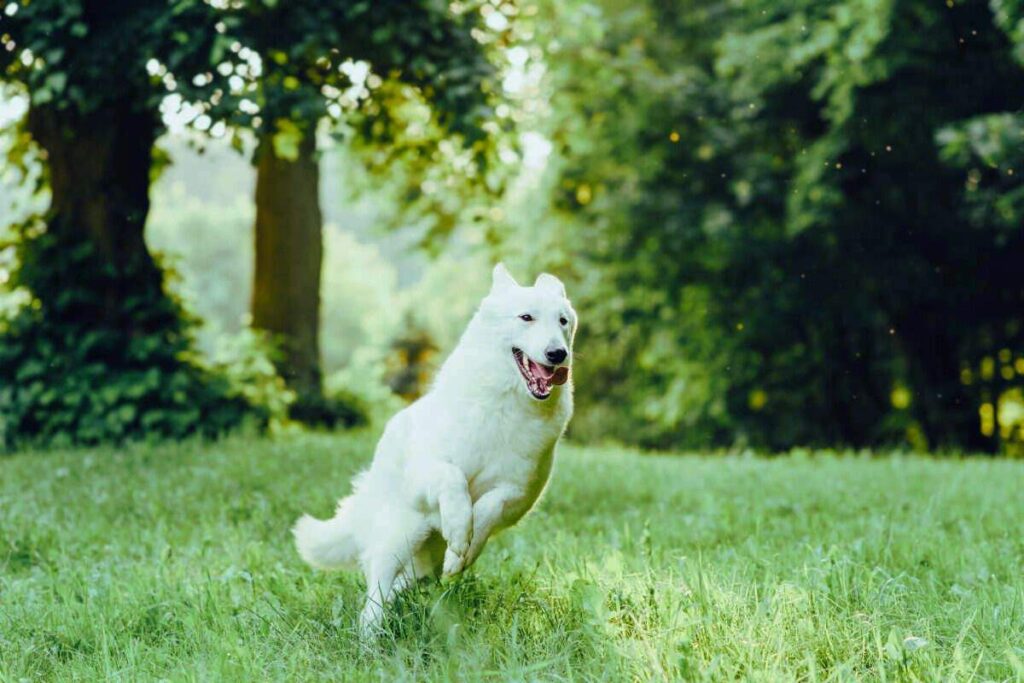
[501,278]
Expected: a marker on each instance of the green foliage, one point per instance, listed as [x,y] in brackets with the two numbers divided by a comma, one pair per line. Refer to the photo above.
[309,52]
[408,87]
[78,368]
[86,54]
[101,353]
[208,241]
[990,150]
[783,223]
[176,562]
[358,296]
[246,361]
[341,409]
[798,212]
[206,234]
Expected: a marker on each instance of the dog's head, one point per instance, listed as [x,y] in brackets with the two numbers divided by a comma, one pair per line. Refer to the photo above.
[537,325]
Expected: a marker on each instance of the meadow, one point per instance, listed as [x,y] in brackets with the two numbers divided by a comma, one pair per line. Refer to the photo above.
[174,562]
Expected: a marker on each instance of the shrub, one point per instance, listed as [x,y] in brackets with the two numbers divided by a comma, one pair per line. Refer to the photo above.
[247,360]
[342,409]
[80,367]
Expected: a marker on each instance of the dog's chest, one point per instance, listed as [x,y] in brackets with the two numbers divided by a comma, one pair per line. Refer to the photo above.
[513,450]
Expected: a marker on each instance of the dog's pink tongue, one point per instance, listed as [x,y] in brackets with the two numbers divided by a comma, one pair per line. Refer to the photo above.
[542,371]
[560,376]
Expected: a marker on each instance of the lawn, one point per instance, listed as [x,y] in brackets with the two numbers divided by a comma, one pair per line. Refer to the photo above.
[175,562]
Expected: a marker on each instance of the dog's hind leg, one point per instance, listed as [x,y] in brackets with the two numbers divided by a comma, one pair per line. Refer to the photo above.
[386,568]
[381,575]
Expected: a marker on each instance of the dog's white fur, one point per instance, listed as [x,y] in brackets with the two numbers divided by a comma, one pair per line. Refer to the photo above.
[466,460]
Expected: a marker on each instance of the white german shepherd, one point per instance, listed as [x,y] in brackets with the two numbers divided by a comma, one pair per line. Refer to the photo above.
[466,460]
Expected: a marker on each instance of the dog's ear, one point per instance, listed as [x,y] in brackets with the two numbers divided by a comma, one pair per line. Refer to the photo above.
[551,283]
[501,278]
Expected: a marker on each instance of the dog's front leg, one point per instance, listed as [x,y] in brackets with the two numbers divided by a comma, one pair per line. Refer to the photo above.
[446,486]
[488,512]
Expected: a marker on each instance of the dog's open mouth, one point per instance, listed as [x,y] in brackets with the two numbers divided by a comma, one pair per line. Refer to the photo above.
[539,378]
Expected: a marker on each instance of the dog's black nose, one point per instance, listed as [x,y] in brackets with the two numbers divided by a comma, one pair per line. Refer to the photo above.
[556,355]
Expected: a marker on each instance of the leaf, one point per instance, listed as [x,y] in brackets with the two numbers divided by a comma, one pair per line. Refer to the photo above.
[57,82]
[286,140]
[42,96]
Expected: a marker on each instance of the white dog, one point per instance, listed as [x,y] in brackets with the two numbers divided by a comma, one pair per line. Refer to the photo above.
[466,460]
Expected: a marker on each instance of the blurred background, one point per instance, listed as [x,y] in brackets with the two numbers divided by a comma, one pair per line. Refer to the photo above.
[787,223]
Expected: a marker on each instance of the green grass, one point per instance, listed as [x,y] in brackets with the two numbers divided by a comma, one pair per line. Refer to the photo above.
[175,562]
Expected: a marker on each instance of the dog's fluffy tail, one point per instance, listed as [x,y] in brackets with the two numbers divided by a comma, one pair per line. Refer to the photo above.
[328,544]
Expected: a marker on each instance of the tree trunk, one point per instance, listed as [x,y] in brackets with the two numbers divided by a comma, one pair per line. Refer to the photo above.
[99,165]
[101,319]
[289,250]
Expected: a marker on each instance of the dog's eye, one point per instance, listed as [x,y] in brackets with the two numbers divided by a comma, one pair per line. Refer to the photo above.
[526,317]
[563,321]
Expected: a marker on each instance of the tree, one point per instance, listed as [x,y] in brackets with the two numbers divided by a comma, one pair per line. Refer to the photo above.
[101,353]
[358,63]
[788,252]
[94,112]
[869,259]
[289,253]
